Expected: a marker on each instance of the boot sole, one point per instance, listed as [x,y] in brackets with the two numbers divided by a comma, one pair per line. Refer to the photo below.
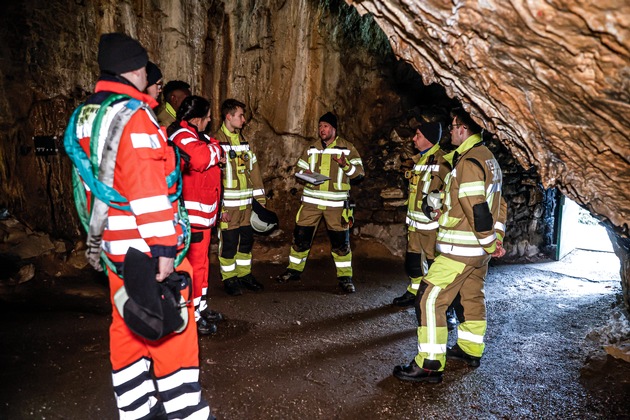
[471,363]
[427,379]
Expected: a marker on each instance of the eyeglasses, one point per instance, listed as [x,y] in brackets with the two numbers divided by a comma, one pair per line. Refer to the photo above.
[451,126]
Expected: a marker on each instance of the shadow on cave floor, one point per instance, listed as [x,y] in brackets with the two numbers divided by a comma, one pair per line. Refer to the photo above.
[301,350]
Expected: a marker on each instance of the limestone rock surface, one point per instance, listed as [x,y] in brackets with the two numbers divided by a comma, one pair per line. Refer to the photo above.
[550,78]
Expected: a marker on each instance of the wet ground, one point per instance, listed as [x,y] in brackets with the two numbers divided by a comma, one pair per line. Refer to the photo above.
[304,351]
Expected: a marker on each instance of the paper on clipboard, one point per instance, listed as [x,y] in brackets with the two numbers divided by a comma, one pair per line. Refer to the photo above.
[312,178]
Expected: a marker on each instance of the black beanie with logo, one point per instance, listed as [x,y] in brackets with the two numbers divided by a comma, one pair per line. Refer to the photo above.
[118,53]
[329,118]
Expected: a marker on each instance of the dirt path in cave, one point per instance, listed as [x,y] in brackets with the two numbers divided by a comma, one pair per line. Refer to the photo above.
[303,351]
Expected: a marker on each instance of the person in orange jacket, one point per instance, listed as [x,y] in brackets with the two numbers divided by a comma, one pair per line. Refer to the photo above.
[149,224]
[200,157]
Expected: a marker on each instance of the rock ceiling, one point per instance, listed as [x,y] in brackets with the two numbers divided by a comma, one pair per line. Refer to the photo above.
[551,78]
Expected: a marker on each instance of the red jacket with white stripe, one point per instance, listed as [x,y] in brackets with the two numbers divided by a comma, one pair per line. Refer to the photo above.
[143,162]
[201,174]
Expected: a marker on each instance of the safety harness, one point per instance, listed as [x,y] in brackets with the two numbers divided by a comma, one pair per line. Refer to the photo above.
[99,179]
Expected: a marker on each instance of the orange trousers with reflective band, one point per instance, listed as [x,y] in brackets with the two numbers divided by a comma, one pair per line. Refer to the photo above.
[169,354]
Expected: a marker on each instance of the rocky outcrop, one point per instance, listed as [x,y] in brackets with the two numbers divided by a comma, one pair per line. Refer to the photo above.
[551,79]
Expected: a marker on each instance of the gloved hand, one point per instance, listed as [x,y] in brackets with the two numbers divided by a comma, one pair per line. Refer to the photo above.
[432,205]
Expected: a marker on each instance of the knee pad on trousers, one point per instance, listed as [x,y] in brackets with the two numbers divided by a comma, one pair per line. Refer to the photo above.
[416,303]
[246,242]
[340,241]
[303,237]
[413,264]
[229,243]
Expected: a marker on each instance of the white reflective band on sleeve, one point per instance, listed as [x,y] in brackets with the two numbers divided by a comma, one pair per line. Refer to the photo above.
[258,192]
[237,203]
[422,226]
[343,264]
[184,376]
[189,399]
[121,222]
[499,226]
[144,140]
[415,286]
[150,204]
[466,191]
[243,262]
[121,247]
[352,170]
[196,205]
[157,229]
[130,372]
[294,260]
[488,240]
[188,140]
[432,348]
[319,202]
[239,148]
[461,251]
[468,336]
[356,161]
[228,268]
[198,220]
[232,194]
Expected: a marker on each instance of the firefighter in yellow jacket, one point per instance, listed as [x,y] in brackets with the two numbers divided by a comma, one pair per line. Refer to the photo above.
[467,238]
[242,183]
[337,159]
[426,175]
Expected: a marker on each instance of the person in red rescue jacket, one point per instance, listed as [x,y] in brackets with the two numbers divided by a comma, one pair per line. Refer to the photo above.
[200,156]
[151,379]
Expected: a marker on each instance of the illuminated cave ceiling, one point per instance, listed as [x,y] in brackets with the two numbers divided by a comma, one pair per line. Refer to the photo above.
[551,78]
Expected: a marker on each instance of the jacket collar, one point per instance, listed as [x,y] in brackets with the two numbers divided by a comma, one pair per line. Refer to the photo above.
[104,85]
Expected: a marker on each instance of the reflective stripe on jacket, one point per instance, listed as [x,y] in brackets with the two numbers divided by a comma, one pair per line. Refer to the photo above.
[143,161]
[475,180]
[427,175]
[242,180]
[201,176]
[316,158]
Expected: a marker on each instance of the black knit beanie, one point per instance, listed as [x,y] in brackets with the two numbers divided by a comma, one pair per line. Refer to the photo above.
[329,118]
[432,131]
[153,73]
[118,53]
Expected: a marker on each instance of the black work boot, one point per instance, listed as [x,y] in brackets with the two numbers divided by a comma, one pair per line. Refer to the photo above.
[406,299]
[288,275]
[205,328]
[414,373]
[250,282]
[212,316]
[346,285]
[232,286]
[457,353]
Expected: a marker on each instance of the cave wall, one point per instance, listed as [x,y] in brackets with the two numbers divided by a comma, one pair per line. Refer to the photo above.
[290,62]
